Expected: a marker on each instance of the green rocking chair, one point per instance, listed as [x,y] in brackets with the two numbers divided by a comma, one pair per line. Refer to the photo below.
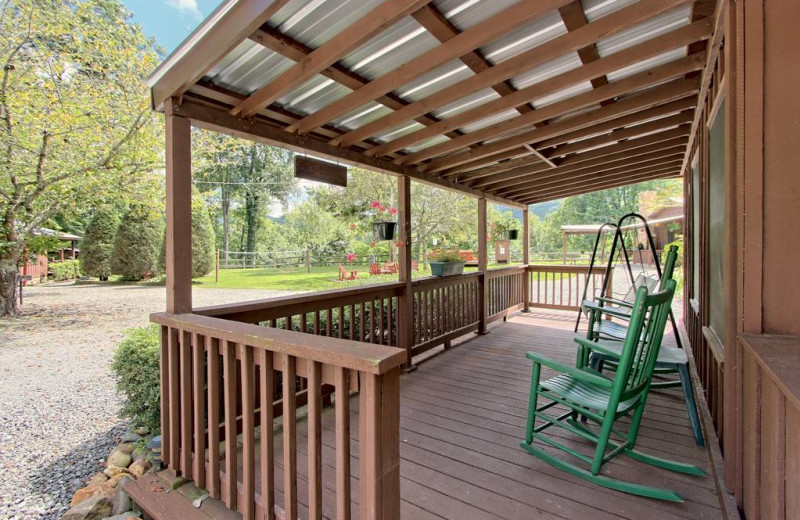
[604,401]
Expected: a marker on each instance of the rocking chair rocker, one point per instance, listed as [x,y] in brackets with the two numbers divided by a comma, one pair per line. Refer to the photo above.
[604,401]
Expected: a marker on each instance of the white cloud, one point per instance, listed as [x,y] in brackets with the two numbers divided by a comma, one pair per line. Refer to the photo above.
[186,6]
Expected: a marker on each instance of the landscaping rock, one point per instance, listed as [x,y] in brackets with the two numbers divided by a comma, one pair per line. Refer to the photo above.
[113,472]
[130,437]
[141,431]
[124,516]
[126,447]
[119,459]
[96,480]
[140,453]
[95,508]
[122,501]
[140,467]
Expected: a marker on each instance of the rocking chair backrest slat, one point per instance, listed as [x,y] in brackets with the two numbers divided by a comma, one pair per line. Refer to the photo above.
[643,341]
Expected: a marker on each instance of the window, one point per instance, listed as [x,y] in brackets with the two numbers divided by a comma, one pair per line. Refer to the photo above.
[696,223]
[717,242]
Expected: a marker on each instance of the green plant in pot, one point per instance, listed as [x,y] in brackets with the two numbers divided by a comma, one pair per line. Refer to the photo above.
[446,262]
[382,227]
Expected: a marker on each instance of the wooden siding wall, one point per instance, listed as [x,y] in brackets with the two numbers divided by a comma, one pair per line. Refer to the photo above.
[754,405]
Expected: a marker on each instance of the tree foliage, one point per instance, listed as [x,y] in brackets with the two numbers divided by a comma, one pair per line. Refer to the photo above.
[203,241]
[136,245]
[75,121]
[98,243]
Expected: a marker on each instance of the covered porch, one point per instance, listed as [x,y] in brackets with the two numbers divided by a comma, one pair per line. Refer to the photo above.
[512,102]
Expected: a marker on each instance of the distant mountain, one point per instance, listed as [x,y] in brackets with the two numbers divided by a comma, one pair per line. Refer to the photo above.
[545,208]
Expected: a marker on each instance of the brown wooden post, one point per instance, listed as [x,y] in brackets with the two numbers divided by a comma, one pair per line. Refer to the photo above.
[405,308]
[179,210]
[379,445]
[483,264]
[216,268]
[564,239]
[526,258]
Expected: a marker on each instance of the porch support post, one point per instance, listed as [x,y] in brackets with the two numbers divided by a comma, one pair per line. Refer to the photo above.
[526,258]
[483,264]
[179,210]
[564,239]
[405,309]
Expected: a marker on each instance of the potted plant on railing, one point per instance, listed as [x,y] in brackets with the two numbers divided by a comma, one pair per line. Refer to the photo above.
[446,262]
[382,227]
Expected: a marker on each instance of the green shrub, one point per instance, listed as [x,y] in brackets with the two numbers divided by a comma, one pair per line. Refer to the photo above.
[98,244]
[203,239]
[135,254]
[135,366]
[445,255]
[66,270]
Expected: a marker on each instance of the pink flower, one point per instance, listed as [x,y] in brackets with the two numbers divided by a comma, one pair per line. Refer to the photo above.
[351,257]
[353,225]
[381,207]
[375,204]
[372,244]
[393,211]
[399,244]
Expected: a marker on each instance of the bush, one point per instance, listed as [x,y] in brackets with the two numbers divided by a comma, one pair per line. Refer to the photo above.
[135,254]
[203,240]
[135,366]
[66,270]
[98,244]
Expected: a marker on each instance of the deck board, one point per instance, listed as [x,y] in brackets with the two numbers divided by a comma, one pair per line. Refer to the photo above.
[462,417]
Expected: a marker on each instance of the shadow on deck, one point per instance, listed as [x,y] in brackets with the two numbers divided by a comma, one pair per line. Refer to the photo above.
[461,420]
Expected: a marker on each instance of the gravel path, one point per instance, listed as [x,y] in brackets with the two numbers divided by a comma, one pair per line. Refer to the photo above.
[58,408]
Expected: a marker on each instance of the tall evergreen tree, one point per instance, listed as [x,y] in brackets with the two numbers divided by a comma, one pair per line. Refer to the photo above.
[98,244]
[135,254]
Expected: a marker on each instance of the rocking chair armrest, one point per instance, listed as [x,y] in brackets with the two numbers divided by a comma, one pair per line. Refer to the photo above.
[606,310]
[600,346]
[580,374]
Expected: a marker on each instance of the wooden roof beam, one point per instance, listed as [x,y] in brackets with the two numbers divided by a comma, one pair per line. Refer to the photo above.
[619,135]
[617,61]
[666,172]
[220,120]
[621,163]
[469,40]
[672,161]
[619,20]
[652,97]
[362,30]
[574,18]
[296,51]
[632,83]
[610,153]
[217,36]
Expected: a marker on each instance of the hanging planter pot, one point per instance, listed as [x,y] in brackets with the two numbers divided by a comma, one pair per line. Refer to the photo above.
[512,234]
[384,230]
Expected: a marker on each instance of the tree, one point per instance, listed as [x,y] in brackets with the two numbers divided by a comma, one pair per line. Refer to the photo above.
[203,240]
[98,243]
[75,121]
[136,246]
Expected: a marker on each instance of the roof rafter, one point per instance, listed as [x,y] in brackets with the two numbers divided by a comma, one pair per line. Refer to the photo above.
[610,24]
[362,30]
[664,43]
[652,97]
[469,40]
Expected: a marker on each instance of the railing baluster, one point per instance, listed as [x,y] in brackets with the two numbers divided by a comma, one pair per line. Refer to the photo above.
[213,417]
[289,438]
[267,444]
[314,441]
[380,320]
[341,320]
[174,400]
[391,321]
[165,395]
[198,380]
[316,322]
[361,335]
[342,443]
[186,403]
[248,507]
[231,471]
[352,333]
[372,321]
[328,321]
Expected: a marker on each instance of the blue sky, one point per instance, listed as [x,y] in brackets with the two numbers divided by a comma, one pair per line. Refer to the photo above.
[170,21]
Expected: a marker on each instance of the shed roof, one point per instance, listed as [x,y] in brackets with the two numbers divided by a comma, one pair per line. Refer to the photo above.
[518,100]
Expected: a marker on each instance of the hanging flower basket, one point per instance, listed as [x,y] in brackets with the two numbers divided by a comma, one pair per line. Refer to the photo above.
[384,230]
[512,234]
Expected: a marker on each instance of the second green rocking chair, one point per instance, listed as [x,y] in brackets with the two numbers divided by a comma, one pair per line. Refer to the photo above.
[604,401]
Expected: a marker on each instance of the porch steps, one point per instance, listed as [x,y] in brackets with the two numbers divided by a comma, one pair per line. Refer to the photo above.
[157,502]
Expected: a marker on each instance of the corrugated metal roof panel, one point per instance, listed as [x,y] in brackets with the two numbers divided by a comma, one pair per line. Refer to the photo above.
[647,64]
[435,80]
[248,67]
[526,37]
[468,13]
[653,27]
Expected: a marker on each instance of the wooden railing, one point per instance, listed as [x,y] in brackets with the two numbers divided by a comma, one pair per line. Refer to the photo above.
[444,309]
[505,291]
[218,381]
[227,370]
[561,286]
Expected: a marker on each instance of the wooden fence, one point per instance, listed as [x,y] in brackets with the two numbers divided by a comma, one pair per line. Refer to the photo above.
[561,286]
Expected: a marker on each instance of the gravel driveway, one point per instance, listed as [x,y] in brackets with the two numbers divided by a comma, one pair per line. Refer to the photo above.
[58,408]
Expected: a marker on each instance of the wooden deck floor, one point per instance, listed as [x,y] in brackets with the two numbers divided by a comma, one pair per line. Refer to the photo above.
[462,418]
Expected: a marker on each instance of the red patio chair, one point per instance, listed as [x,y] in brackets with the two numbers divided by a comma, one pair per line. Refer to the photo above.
[345,274]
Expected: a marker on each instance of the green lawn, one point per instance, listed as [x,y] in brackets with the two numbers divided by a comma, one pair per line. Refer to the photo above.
[298,279]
